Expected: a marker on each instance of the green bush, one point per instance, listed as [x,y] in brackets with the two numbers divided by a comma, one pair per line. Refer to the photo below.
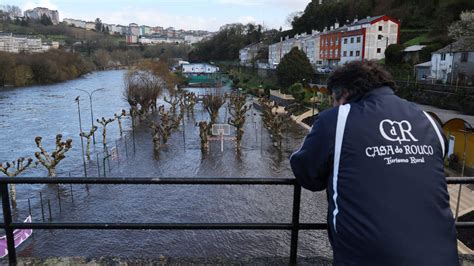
[394,54]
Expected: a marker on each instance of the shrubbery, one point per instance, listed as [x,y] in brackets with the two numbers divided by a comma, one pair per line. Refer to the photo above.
[41,68]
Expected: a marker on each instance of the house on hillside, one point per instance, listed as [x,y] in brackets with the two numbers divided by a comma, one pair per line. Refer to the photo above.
[423,71]
[199,68]
[454,63]
[248,54]
[411,54]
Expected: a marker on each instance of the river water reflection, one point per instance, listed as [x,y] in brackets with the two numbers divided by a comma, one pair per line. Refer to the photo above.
[48,110]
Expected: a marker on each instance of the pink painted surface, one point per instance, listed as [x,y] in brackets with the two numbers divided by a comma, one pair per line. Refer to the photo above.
[20,235]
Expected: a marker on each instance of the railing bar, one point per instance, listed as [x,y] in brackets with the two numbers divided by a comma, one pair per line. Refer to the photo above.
[74,226]
[7,221]
[151,226]
[153,181]
[180,181]
[295,224]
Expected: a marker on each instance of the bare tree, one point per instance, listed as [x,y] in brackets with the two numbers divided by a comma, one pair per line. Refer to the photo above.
[104,122]
[119,120]
[212,103]
[238,110]
[190,100]
[273,120]
[18,167]
[142,89]
[50,162]
[204,128]
[88,136]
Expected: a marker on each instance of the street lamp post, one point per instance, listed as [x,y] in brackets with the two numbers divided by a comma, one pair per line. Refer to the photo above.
[82,141]
[92,112]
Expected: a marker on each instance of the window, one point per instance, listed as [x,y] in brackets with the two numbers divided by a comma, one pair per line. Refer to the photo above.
[357,53]
[345,40]
[443,56]
[380,28]
[352,40]
[336,41]
[358,39]
[379,50]
[345,53]
[464,57]
[380,37]
[352,53]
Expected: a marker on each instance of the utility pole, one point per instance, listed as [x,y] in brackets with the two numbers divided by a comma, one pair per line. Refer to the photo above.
[82,140]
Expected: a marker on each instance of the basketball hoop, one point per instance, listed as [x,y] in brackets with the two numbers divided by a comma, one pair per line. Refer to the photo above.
[221,132]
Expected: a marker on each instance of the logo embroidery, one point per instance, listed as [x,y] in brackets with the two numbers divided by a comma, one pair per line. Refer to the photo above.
[397,131]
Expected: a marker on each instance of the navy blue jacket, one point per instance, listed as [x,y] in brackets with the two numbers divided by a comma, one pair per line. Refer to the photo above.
[381,160]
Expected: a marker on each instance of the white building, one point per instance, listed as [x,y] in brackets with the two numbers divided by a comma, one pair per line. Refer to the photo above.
[277,51]
[248,54]
[75,23]
[134,29]
[352,46]
[192,39]
[38,12]
[377,34]
[454,63]
[157,39]
[17,44]
[90,25]
[200,68]
[310,46]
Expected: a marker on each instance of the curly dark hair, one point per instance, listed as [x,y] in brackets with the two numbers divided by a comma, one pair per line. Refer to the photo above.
[358,78]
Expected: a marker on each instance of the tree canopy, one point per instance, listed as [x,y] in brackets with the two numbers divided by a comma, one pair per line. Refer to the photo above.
[427,14]
[293,68]
[225,45]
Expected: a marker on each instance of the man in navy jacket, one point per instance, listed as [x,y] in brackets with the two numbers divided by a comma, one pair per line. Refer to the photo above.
[380,158]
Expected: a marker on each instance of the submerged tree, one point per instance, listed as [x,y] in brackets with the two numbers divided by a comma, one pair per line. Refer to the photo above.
[165,125]
[238,110]
[142,89]
[212,103]
[157,132]
[18,167]
[51,161]
[88,136]
[104,122]
[204,128]
[119,120]
[273,120]
[174,101]
[190,100]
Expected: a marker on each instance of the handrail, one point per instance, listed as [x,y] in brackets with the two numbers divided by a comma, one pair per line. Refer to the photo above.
[295,226]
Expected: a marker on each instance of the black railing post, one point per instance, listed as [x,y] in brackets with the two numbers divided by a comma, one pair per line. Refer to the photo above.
[7,220]
[295,225]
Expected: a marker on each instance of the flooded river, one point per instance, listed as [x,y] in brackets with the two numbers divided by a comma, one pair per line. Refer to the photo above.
[48,110]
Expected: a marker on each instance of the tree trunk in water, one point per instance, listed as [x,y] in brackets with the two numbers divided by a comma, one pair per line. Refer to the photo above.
[13,195]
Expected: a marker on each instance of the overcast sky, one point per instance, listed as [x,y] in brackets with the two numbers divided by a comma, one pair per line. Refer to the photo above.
[181,14]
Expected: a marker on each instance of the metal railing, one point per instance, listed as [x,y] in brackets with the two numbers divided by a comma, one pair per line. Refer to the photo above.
[295,226]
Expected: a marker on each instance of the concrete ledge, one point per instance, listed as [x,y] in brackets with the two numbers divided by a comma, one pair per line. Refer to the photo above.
[167,261]
[465,260]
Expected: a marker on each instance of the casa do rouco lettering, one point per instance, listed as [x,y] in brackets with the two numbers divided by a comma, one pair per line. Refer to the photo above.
[400,132]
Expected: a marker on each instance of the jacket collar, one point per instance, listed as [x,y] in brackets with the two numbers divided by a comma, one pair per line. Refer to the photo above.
[376,92]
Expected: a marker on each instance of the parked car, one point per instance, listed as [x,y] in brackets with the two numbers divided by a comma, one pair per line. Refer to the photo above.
[324,69]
